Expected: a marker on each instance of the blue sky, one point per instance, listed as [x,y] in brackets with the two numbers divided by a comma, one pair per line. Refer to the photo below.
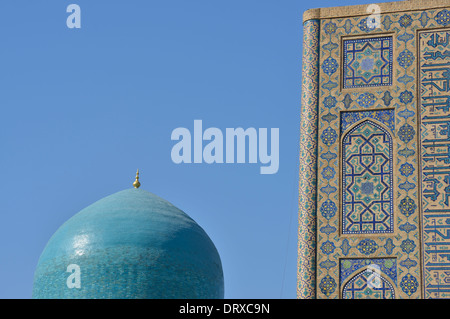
[82,109]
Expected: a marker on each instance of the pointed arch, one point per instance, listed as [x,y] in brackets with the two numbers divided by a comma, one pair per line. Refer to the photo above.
[367,179]
[368,284]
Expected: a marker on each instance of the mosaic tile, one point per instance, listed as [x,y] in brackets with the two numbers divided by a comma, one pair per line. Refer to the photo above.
[367,180]
[367,62]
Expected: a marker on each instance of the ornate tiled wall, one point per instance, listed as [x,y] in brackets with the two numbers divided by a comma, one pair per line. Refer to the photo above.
[383,157]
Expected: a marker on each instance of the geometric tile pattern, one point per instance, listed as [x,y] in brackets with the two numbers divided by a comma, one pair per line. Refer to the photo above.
[367,180]
[351,266]
[367,62]
[434,64]
[368,284]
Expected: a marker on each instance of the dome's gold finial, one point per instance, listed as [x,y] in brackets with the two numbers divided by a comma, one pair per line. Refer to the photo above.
[136,183]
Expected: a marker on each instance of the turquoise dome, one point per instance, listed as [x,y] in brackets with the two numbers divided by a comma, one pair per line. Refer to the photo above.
[132,244]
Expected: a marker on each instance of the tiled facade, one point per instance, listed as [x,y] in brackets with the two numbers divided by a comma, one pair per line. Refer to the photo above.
[379,129]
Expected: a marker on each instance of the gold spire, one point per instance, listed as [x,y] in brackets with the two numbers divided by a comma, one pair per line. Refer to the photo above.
[136,183]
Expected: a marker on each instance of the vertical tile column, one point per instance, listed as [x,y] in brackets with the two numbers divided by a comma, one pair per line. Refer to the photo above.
[434,72]
[306,273]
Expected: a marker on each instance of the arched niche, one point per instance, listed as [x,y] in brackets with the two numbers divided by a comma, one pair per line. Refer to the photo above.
[368,283]
[367,179]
